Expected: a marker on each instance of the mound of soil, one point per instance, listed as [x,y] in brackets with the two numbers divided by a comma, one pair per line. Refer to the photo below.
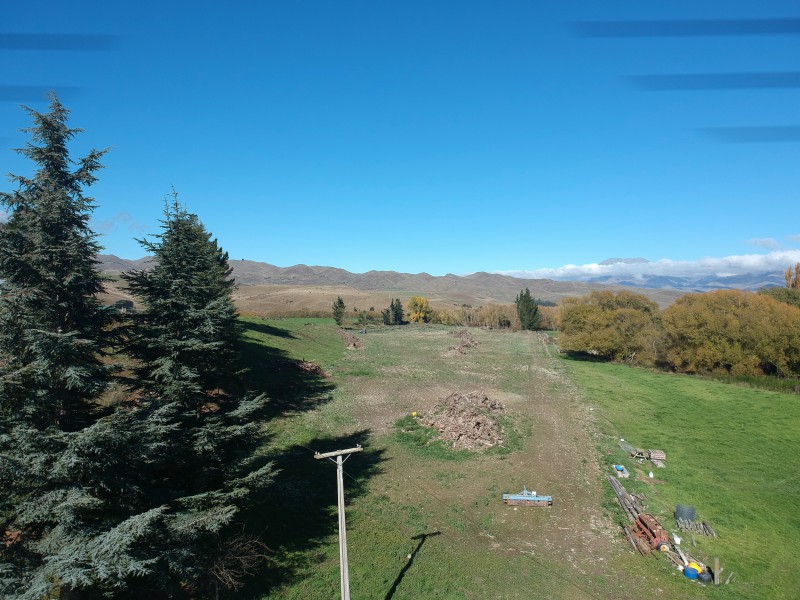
[468,421]
[350,340]
[313,368]
[466,341]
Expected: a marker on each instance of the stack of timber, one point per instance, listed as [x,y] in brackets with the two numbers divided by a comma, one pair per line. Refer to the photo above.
[630,504]
[700,527]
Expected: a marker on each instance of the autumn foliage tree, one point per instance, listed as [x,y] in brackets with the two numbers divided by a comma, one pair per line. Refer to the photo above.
[622,326]
[419,310]
[793,277]
[732,332]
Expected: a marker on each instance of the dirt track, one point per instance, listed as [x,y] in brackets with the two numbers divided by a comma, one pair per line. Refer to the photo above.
[566,467]
[578,531]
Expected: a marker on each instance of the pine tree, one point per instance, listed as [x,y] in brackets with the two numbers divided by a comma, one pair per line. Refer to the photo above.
[394,314]
[138,499]
[185,341]
[52,326]
[338,310]
[527,310]
[52,476]
[397,312]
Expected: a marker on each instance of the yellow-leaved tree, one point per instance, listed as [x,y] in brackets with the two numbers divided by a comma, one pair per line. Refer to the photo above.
[419,310]
[793,279]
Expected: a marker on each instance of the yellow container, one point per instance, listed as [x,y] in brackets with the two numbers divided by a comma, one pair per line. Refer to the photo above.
[694,565]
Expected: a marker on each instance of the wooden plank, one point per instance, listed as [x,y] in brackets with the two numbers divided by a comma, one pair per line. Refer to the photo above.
[716,571]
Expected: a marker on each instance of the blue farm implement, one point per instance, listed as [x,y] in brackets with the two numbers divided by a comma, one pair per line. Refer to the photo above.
[527,498]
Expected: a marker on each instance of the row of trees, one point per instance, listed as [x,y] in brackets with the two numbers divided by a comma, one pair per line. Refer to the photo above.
[721,332]
[524,314]
[137,496]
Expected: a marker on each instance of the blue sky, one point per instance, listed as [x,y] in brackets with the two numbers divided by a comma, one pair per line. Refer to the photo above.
[422,136]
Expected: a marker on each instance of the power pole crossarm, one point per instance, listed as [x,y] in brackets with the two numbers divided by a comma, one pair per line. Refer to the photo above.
[337,452]
[344,575]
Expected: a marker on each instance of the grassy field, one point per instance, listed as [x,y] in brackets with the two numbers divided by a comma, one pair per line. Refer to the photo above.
[423,526]
[733,453]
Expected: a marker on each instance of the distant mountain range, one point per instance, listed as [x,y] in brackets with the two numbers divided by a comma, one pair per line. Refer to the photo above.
[707,283]
[488,287]
[700,283]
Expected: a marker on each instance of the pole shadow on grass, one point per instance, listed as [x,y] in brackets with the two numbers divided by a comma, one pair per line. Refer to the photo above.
[421,537]
[290,384]
[298,514]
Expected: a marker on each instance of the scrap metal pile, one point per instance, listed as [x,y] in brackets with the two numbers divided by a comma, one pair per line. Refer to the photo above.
[645,534]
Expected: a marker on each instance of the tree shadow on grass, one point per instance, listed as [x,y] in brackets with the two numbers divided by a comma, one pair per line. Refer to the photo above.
[269,330]
[299,510]
[289,384]
[585,357]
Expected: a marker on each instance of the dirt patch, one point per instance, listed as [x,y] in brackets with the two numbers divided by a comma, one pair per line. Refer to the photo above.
[467,421]
[465,341]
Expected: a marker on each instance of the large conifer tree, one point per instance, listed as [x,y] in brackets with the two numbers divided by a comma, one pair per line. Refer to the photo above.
[185,341]
[56,477]
[185,338]
[527,311]
[51,323]
[139,501]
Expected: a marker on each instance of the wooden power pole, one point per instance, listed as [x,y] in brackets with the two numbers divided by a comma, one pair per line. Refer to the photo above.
[344,576]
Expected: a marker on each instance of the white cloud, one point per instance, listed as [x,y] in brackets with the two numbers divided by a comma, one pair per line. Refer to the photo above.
[794,238]
[121,219]
[767,243]
[3,216]
[728,265]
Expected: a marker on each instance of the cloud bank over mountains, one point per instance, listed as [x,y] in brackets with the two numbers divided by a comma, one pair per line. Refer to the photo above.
[640,269]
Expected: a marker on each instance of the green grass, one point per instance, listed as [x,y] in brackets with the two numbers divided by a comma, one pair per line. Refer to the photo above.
[421,440]
[302,407]
[732,452]
[774,384]
[399,502]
